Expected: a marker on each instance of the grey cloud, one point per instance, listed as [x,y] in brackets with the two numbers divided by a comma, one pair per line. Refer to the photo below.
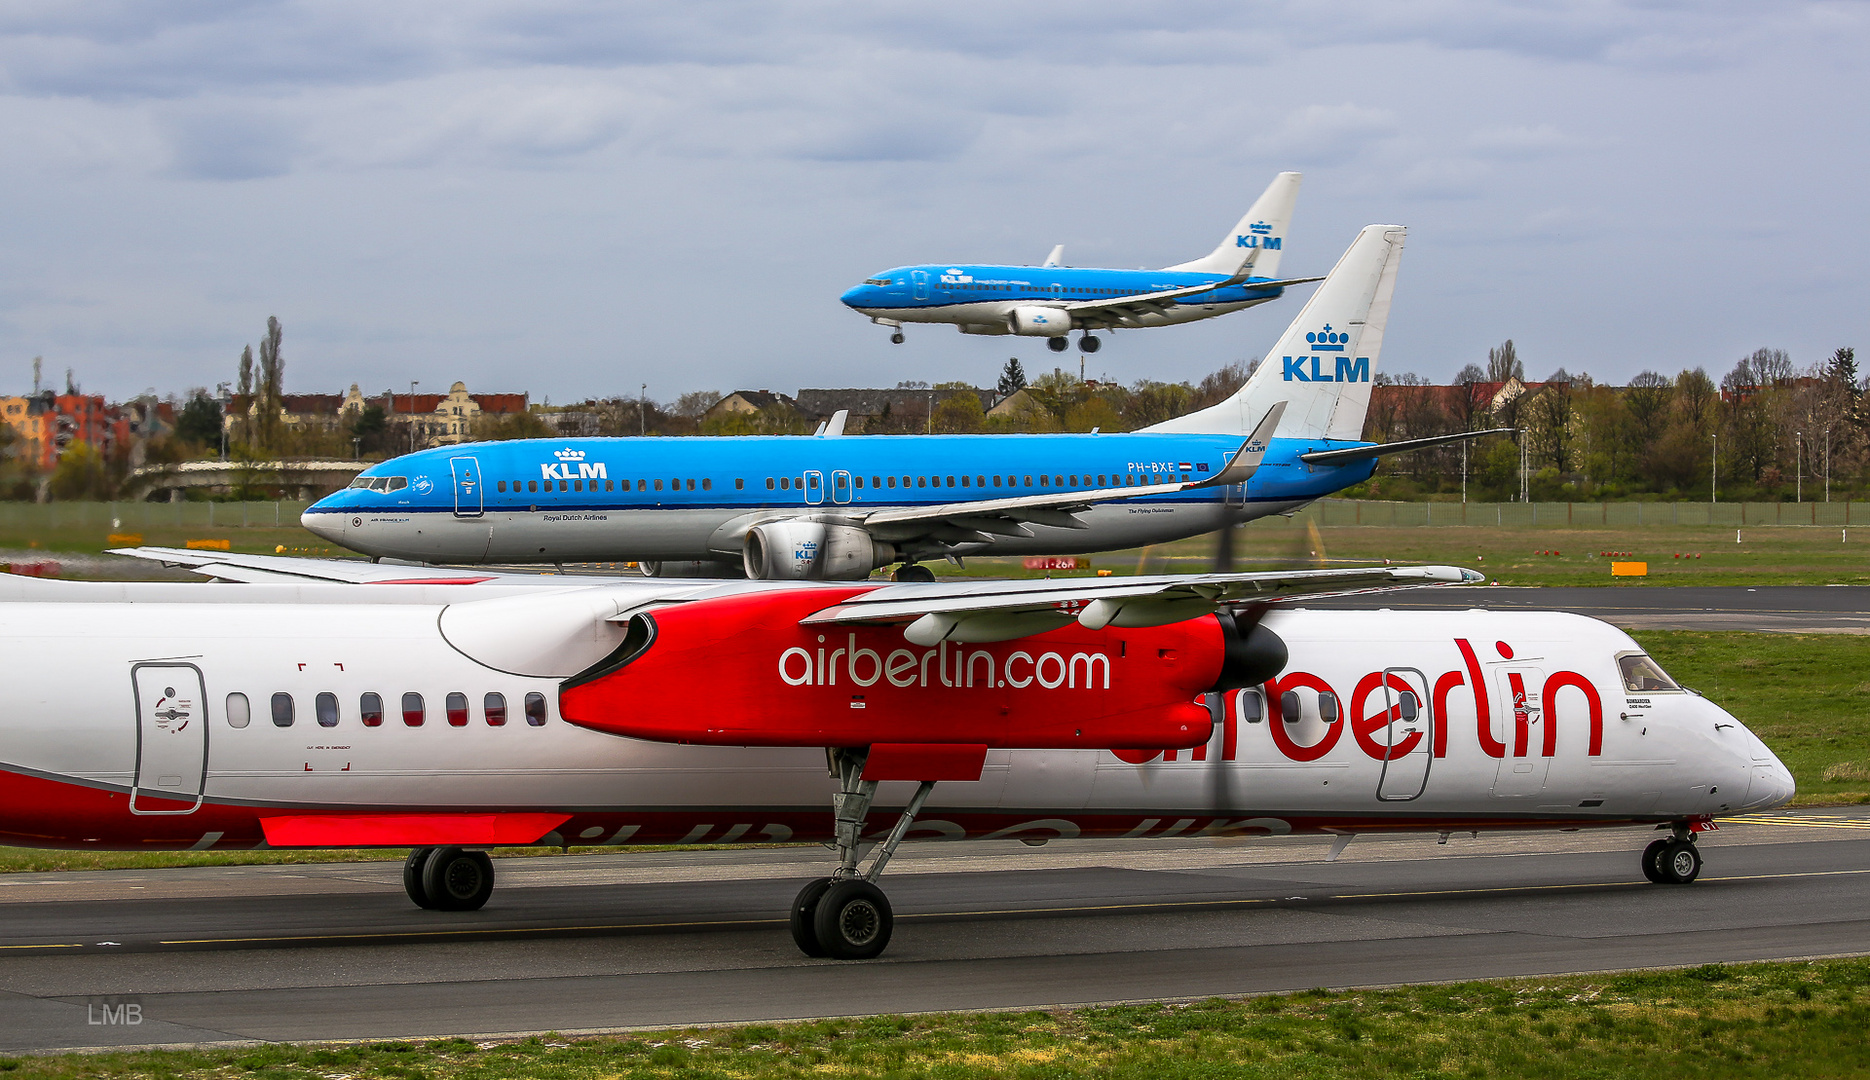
[230,143]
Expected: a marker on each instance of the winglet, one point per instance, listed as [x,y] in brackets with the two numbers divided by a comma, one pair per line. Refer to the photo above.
[1246,460]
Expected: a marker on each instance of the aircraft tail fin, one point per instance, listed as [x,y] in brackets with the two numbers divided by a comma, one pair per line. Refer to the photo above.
[1259,238]
[1057,258]
[1322,366]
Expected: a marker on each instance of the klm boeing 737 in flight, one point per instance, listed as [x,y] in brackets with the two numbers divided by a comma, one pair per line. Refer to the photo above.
[835,507]
[1051,300]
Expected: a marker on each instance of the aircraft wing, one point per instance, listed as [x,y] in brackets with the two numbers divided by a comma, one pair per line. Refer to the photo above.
[230,566]
[1009,516]
[1132,310]
[979,611]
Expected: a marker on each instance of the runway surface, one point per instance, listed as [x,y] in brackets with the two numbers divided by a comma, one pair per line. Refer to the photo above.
[1783,609]
[603,942]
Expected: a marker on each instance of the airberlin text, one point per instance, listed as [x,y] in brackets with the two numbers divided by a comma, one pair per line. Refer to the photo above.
[978,669]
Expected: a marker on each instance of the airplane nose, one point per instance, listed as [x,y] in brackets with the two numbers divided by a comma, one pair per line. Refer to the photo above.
[327,525]
[1771,785]
[854,295]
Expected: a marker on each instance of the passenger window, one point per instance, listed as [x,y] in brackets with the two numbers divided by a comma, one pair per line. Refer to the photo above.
[1289,706]
[1042,480]
[740,483]
[1101,482]
[564,485]
[859,481]
[455,705]
[610,485]
[1407,708]
[1249,707]
[577,485]
[1328,708]
[532,485]
[658,485]
[785,483]
[922,481]
[1029,481]
[769,483]
[996,481]
[964,481]
[325,708]
[282,710]
[494,705]
[1642,676]
[501,486]
[370,709]
[980,481]
[239,713]
[412,709]
[1057,481]
[812,480]
[642,485]
[892,481]
[535,709]
[951,481]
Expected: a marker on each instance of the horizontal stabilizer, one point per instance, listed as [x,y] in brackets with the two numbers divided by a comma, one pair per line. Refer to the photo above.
[1364,453]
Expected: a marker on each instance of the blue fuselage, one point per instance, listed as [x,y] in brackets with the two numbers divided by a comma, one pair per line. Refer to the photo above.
[984,295]
[693,498]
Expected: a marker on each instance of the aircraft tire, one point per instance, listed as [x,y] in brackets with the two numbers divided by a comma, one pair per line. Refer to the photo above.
[853,920]
[1680,863]
[412,877]
[804,915]
[1652,860]
[896,338]
[1057,344]
[1089,344]
[457,880]
[914,572]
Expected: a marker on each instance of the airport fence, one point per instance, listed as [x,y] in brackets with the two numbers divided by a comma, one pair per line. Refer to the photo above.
[1586,515]
[130,517]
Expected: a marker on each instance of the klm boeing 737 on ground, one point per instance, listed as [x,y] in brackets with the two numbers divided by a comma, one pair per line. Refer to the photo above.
[835,507]
[1050,300]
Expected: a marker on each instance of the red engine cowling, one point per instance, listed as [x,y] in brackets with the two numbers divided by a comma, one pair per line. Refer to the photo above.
[741,671]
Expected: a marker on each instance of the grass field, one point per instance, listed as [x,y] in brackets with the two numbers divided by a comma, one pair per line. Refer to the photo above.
[1773,1021]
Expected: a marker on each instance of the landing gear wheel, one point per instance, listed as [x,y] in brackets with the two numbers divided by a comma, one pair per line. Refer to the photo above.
[896,338]
[1057,344]
[853,920]
[457,880]
[1089,344]
[914,572]
[1652,861]
[804,917]
[412,878]
[1679,863]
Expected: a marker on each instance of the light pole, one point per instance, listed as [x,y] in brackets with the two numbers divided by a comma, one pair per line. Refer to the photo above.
[642,413]
[1714,473]
[1798,467]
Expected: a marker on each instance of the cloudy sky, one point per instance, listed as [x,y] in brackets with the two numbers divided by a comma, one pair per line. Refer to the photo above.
[580,198]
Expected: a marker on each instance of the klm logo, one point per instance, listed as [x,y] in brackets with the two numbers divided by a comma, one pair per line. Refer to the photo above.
[1259,235]
[1307,369]
[560,470]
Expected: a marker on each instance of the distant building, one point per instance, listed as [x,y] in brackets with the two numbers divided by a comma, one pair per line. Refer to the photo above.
[748,402]
[865,407]
[437,419]
[46,424]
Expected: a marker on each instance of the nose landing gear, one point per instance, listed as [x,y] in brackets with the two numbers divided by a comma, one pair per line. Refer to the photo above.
[896,337]
[1674,860]
[846,916]
[448,878]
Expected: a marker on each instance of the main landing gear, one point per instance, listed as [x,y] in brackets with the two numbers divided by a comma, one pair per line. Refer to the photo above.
[914,572]
[1673,860]
[845,916]
[1089,344]
[448,878]
[1057,344]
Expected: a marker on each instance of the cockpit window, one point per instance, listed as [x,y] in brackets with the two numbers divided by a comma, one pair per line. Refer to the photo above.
[379,483]
[397,483]
[877,281]
[1641,675]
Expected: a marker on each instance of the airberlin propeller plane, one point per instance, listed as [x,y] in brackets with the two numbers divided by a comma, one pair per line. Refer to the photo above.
[344,704]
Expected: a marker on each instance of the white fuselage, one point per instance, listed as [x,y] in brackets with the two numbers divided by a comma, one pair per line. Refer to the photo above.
[80,728]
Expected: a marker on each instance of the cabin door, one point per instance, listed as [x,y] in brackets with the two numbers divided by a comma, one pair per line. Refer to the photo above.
[171,738]
[467,483]
[840,487]
[1408,735]
[814,488]
[1519,722]
[921,279]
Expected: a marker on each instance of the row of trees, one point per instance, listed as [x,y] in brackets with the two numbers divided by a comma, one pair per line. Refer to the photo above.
[1767,430]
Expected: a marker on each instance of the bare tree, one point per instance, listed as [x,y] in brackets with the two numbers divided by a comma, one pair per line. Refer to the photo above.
[272,386]
[1503,363]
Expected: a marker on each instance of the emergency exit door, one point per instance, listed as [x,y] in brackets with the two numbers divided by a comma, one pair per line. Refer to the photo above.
[171,738]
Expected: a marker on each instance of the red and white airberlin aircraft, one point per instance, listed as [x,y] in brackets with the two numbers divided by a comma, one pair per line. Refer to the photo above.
[341,704]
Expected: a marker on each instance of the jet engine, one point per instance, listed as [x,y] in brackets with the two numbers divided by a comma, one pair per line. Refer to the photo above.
[745,671]
[1036,321]
[812,551]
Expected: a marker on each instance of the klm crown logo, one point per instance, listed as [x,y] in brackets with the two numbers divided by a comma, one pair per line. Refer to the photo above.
[569,454]
[1308,369]
[1258,235]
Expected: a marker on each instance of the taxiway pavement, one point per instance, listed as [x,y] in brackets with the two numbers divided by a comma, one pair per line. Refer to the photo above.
[614,941]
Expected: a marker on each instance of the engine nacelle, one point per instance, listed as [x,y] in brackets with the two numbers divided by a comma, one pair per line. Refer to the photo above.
[812,551]
[741,671]
[1036,321]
